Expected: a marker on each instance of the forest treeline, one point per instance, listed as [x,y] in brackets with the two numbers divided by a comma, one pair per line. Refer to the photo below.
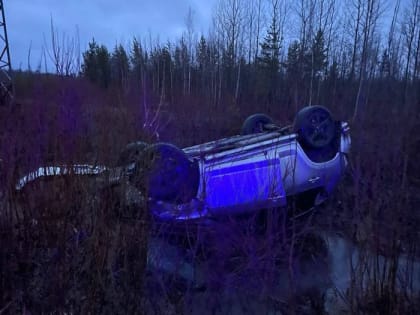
[275,51]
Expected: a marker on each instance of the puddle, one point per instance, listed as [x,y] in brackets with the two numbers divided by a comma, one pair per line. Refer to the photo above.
[329,276]
[344,256]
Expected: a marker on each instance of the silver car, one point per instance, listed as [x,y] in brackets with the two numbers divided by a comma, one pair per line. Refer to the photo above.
[261,168]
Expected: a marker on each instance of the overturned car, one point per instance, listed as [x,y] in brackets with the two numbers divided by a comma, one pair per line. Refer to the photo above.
[261,168]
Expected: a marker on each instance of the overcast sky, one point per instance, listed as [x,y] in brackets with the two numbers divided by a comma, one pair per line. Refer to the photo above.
[109,21]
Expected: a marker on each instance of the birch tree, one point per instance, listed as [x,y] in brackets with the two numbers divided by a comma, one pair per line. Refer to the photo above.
[372,11]
[411,35]
[190,33]
[229,20]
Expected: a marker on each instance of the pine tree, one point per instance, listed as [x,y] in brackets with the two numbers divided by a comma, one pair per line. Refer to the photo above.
[104,66]
[270,48]
[119,65]
[90,62]
[204,60]
[293,61]
[96,64]
[269,60]
[137,60]
[202,54]
[316,59]
[182,62]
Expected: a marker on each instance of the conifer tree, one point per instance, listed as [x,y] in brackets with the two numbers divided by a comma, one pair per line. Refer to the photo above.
[269,60]
[96,64]
[119,65]
[137,60]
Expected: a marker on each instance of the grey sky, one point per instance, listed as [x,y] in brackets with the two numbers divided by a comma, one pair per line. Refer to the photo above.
[109,21]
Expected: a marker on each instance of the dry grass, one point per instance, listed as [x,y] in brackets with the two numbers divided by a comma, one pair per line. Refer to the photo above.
[67,246]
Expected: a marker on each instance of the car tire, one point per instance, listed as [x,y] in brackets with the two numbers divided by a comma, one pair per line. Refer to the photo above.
[131,153]
[315,127]
[170,175]
[255,124]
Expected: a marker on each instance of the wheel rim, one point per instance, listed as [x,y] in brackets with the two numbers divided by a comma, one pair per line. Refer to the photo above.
[255,124]
[318,129]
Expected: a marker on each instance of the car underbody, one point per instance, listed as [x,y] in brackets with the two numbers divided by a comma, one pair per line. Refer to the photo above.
[261,168]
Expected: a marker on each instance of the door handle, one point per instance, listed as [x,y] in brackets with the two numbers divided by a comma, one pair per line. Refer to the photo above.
[313,180]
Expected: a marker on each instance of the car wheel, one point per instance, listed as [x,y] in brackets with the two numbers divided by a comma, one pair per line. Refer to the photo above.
[131,153]
[170,175]
[315,127]
[255,124]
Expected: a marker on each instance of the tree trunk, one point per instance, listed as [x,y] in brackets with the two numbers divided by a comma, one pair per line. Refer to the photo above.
[238,79]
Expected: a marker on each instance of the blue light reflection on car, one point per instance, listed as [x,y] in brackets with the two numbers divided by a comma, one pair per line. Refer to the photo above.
[246,183]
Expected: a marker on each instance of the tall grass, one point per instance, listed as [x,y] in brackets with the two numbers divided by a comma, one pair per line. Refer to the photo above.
[66,246]
[377,209]
[71,245]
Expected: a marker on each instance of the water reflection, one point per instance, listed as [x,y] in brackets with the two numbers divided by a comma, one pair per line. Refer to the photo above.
[326,278]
